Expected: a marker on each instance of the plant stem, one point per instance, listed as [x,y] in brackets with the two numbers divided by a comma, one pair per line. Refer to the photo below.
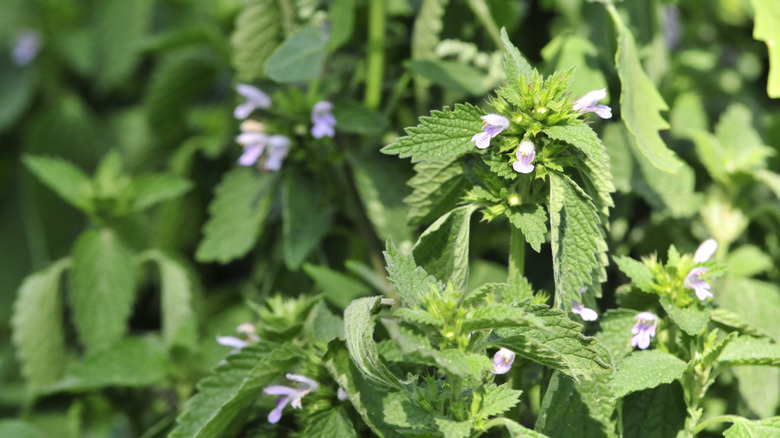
[719,419]
[481,10]
[516,253]
[376,53]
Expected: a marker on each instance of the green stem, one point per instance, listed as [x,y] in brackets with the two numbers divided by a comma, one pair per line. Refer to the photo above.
[516,253]
[481,10]
[719,419]
[376,53]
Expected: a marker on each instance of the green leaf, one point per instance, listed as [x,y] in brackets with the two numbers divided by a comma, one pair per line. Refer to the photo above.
[179,322]
[577,409]
[102,288]
[639,273]
[17,88]
[359,332]
[332,423]
[691,320]
[418,317]
[453,429]
[307,214]
[117,26]
[515,430]
[322,325]
[578,245]
[494,316]
[746,350]
[597,179]
[258,31]
[38,328]
[654,413]
[581,136]
[497,400]
[767,29]
[339,289]
[151,189]
[241,203]
[381,186]
[615,333]
[559,344]
[768,427]
[341,16]
[515,66]
[568,49]
[65,179]
[234,385]
[443,248]
[425,37]
[734,321]
[747,261]
[437,187]
[18,429]
[299,58]
[531,220]
[356,118]
[641,103]
[373,404]
[451,75]
[131,362]
[752,382]
[752,300]
[410,281]
[445,134]
[646,369]
[742,145]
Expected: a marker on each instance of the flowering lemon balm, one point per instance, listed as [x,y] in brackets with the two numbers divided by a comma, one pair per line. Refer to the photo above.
[493,125]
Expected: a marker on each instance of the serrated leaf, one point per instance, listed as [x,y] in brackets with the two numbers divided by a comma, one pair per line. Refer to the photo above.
[655,413]
[451,75]
[237,213]
[445,134]
[298,58]
[369,401]
[332,423]
[322,325]
[748,260]
[410,281]
[494,316]
[531,220]
[437,187]
[734,321]
[339,289]
[559,344]
[37,322]
[418,316]
[65,179]
[516,430]
[179,322]
[443,248]
[597,179]
[307,214]
[497,400]
[515,66]
[690,319]
[131,362]
[641,103]
[615,332]
[746,350]
[151,189]
[578,244]
[743,149]
[577,409]
[639,273]
[767,29]
[425,37]
[752,382]
[452,428]
[258,31]
[359,332]
[768,427]
[234,385]
[102,288]
[581,136]
[646,369]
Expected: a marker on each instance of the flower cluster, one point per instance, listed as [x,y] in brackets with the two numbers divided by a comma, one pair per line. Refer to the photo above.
[288,395]
[693,280]
[253,138]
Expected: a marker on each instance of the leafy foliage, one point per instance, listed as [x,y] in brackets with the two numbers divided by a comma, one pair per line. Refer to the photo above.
[644,370]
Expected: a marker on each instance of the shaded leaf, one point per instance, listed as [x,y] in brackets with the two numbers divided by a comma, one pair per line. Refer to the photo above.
[443,248]
[307,214]
[646,369]
[299,58]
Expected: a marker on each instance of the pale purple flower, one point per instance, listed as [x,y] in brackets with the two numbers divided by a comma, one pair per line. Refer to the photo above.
[27,44]
[585,313]
[502,361]
[588,103]
[289,395]
[494,124]
[323,120]
[341,394]
[255,99]
[672,27]
[525,157]
[254,144]
[278,146]
[705,251]
[693,280]
[246,329]
[644,329]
